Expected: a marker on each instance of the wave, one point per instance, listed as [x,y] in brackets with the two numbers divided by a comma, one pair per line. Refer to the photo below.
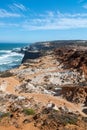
[5,51]
[9,59]
[10,54]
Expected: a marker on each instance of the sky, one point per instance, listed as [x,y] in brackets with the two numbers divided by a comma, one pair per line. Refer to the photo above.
[42,20]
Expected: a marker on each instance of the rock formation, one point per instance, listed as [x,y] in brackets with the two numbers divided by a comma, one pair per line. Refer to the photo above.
[31,55]
[75,94]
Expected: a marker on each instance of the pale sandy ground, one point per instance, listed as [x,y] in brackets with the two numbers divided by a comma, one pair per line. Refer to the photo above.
[44,98]
[12,82]
[29,126]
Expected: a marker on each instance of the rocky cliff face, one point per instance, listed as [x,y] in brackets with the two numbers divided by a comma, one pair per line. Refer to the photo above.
[84,68]
[31,55]
[73,58]
[36,50]
[75,94]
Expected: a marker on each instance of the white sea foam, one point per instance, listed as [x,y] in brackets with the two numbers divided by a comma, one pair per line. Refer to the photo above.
[5,51]
[9,55]
[9,59]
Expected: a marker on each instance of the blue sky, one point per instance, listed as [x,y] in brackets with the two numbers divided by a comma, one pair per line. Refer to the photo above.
[41,20]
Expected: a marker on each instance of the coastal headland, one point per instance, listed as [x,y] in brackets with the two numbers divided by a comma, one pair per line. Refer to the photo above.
[48,91]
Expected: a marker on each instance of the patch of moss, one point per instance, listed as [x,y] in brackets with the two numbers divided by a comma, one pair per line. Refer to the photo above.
[63,118]
[29,111]
[2,114]
[68,119]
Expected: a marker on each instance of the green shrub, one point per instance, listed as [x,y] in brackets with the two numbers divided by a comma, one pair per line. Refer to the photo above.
[63,118]
[2,114]
[29,111]
[6,114]
[68,119]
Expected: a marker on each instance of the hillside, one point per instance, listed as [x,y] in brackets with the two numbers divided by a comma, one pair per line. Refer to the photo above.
[48,91]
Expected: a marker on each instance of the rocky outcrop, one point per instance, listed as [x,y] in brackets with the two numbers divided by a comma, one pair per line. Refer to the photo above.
[84,68]
[31,55]
[75,94]
[49,119]
[73,58]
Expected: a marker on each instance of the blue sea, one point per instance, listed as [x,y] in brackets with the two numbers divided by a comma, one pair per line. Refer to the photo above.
[9,59]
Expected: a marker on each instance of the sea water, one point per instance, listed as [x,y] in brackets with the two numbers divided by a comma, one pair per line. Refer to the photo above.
[9,59]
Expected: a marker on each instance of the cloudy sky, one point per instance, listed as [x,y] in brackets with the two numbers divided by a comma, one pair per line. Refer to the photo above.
[38,20]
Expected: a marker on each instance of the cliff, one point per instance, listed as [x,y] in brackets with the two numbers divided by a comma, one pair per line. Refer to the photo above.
[31,55]
[73,58]
[47,92]
[75,94]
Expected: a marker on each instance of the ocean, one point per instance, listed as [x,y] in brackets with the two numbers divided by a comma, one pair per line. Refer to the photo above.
[9,59]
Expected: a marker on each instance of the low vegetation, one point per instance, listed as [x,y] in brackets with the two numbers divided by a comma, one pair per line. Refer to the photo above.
[2,114]
[29,111]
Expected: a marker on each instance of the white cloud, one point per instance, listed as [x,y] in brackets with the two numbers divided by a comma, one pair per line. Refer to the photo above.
[80,1]
[3,24]
[85,6]
[47,21]
[5,13]
[56,21]
[16,6]
[20,6]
